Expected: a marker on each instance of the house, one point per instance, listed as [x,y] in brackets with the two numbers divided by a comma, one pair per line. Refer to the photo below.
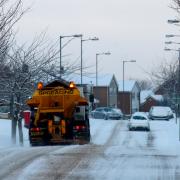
[149,99]
[107,91]
[129,99]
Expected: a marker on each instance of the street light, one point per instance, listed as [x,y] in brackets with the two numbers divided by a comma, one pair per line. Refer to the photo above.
[60,50]
[178,50]
[173,21]
[83,40]
[123,70]
[172,35]
[97,54]
[123,82]
[171,42]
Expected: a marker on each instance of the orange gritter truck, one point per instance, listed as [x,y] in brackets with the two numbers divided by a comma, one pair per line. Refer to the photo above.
[59,115]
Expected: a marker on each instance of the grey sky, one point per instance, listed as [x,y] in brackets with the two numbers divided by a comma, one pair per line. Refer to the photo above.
[129,29]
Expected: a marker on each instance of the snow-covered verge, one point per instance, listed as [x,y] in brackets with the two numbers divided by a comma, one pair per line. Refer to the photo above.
[5,134]
[166,134]
[114,152]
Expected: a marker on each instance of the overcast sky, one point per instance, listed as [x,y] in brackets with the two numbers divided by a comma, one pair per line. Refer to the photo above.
[129,29]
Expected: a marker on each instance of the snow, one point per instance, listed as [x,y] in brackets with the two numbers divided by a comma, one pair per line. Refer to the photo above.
[128,85]
[32,168]
[167,133]
[103,80]
[161,111]
[144,95]
[168,139]
[101,137]
[5,134]
[113,152]
[157,97]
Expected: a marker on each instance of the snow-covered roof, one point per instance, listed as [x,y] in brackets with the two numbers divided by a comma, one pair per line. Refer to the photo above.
[157,97]
[144,94]
[103,80]
[128,85]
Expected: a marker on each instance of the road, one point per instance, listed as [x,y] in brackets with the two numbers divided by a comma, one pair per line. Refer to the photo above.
[114,153]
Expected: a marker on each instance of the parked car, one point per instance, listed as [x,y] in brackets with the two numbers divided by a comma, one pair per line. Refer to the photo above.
[106,113]
[115,113]
[138,121]
[160,113]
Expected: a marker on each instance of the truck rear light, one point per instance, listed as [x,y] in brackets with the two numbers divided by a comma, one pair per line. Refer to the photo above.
[77,127]
[83,127]
[35,129]
[80,127]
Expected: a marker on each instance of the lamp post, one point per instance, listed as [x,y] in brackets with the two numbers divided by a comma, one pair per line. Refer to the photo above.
[123,70]
[172,35]
[173,21]
[123,82]
[60,49]
[178,50]
[83,40]
[97,54]
[171,42]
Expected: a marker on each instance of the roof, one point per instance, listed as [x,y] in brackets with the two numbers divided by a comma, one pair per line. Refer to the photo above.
[157,97]
[103,80]
[55,83]
[144,94]
[128,85]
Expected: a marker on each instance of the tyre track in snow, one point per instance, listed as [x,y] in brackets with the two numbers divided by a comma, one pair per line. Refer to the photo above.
[12,165]
[115,158]
[115,134]
[62,163]
[78,163]
[96,159]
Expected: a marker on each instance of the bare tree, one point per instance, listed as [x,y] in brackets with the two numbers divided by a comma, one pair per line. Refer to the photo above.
[165,78]
[10,13]
[24,67]
[175,5]
[21,66]
[144,84]
[165,72]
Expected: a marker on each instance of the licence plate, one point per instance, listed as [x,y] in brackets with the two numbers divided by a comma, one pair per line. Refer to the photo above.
[36,133]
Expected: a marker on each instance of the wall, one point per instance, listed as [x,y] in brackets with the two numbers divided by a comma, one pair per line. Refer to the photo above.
[135,99]
[124,97]
[101,94]
[113,93]
[145,107]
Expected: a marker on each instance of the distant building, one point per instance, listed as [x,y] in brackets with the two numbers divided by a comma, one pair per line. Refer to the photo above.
[129,99]
[149,99]
[106,92]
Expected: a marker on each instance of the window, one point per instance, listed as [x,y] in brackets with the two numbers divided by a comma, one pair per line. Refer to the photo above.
[139,118]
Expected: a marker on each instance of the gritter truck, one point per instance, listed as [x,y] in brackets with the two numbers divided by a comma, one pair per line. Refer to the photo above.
[59,115]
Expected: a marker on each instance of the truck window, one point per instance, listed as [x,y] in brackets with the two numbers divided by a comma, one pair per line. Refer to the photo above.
[78,110]
[79,113]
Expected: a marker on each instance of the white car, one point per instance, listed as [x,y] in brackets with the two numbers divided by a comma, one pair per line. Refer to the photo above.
[138,121]
[106,113]
[160,113]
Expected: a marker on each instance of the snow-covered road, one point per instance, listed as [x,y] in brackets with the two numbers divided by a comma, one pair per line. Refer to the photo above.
[114,153]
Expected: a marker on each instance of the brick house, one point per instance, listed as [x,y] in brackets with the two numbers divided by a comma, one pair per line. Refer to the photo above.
[149,99]
[129,99]
[107,91]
